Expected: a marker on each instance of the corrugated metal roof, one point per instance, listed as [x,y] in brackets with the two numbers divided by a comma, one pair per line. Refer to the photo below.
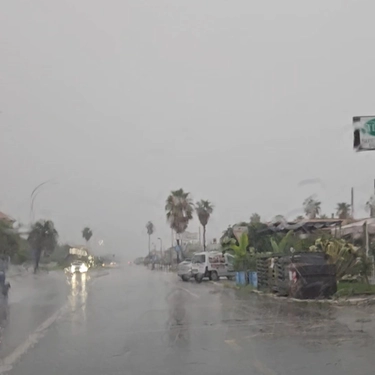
[6,217]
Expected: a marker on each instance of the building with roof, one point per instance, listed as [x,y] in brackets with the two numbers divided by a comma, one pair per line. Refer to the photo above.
[6,218]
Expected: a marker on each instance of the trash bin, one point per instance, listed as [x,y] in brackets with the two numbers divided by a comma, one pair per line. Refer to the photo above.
[253,279]
[241,278]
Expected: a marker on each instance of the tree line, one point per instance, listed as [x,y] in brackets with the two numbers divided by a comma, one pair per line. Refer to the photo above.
[39,241]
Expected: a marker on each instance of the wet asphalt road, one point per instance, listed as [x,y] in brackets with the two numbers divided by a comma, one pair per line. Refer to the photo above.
[137,321]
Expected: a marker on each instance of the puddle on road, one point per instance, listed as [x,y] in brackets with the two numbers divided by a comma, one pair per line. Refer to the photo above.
[315,323]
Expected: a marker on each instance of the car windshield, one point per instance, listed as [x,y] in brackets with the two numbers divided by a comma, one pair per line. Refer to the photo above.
[199,258]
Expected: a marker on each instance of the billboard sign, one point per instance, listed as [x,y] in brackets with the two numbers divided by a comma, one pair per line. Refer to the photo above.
[364,133]
[81,252]
[189,236]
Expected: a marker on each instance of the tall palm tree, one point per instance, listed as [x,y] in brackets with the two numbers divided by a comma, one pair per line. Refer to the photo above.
[343,210]
[179,209]
[42,238]
[87,234]
[204,209]
[150,230]
[312,207]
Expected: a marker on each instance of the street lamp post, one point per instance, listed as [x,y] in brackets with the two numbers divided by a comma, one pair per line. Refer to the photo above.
[161,246]
[33,195]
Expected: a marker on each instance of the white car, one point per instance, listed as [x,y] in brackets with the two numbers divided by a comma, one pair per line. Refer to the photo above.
[212,264]
[78,266]
[184,270]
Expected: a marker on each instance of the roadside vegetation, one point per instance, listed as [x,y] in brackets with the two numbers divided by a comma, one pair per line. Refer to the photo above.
[352,289]
[257,240]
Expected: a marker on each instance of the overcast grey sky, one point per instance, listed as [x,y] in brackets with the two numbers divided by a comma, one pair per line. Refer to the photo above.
[121,101]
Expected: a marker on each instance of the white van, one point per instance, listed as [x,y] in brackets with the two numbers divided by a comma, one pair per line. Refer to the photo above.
[212,264]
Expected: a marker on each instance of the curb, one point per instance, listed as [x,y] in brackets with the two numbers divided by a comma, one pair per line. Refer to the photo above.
[337,302]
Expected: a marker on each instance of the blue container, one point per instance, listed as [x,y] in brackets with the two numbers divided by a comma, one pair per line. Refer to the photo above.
[253,279]
[241,278]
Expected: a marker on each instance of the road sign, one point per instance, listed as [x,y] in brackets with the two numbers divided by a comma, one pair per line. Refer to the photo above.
[364,133]
[189,236]
[81,252]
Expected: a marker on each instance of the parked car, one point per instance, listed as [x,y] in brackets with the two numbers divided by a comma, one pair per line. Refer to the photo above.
[78,266]
[213,265]
[184,270]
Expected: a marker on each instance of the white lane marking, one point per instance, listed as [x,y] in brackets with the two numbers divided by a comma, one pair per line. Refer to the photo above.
[233,344]
[7,363]
[188,291]
[216,283]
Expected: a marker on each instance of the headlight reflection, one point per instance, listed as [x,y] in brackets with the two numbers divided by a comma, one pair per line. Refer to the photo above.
[78,299]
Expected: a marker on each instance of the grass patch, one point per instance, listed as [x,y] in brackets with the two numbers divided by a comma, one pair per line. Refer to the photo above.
[350,289]
[229,285]
[246,289]
[242,288]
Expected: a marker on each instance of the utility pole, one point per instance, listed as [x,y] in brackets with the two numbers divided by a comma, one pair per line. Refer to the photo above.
[352,202]
[161,246]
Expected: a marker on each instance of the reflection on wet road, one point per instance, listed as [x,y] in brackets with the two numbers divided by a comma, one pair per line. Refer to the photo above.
[137,321]
[77,298]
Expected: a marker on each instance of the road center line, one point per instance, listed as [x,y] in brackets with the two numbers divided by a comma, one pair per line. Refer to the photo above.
[188,291]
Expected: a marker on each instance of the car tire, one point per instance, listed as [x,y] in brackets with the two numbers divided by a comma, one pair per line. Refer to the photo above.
[214,276]
[185,278]
[198,278]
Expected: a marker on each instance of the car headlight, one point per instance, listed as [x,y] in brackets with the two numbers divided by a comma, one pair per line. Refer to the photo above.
[83,269]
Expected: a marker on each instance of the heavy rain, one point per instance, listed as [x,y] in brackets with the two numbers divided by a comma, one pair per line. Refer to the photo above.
[184,187]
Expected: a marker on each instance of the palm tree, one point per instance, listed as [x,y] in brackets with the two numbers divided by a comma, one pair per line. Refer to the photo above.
[311,207]
[150,230]
[341,253]
[42,238]
[179,209]
[204,209]
[343,210]
[87,234]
